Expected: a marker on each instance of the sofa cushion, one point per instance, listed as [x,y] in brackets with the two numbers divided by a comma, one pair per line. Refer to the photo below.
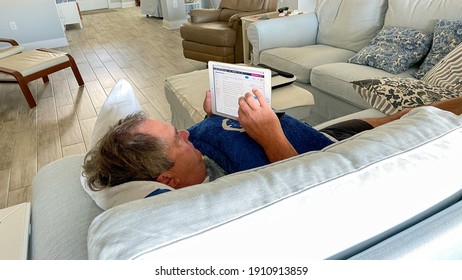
[349,24]
[447,36]
[10,51]
[394,49]
[447,73]
[209,33]
[335,79]
[300,61]
[332,203]
[421,14]
[392,94]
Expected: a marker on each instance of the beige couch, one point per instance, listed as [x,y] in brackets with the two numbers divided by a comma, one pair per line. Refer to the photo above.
[316,46]
[378,195]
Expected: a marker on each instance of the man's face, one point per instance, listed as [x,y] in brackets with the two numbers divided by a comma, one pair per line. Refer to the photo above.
[189,168]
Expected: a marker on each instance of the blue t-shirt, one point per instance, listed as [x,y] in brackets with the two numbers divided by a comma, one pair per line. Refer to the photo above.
[224,141]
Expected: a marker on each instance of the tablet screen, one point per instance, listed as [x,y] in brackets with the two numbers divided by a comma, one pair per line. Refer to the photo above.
[228,82]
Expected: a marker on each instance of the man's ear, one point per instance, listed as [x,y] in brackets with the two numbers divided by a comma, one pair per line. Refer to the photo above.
[167,179]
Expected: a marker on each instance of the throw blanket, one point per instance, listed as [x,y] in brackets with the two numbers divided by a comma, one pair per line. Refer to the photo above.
[224,141]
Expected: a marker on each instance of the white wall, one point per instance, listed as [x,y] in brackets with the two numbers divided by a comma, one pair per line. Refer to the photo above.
[127,3]
[307,5]
[211,3]
[173,13]
[302,5]
[37,21]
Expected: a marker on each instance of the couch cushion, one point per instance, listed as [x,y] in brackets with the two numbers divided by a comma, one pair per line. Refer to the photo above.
[394,49]
[335,79]
[209,33]
[332,204]
[447,36]
[421,14]
[392,94]
[10,51]
[300,61]
[447,73]
[349,24]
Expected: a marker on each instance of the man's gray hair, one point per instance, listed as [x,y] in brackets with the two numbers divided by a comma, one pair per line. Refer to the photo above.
[123,155]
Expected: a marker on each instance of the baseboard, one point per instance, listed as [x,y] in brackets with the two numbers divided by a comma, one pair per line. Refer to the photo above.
[173,24]
[115,5]
[53,43]
[128,4]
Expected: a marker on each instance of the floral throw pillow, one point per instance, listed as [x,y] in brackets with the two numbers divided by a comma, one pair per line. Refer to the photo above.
[394,49]
[447,36]
[393,94]
[448,72]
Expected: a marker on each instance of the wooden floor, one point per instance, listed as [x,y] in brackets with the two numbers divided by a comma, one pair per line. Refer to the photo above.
[113,44]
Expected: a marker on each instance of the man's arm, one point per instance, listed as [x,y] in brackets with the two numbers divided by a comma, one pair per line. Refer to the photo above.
[207,105]
[262,124]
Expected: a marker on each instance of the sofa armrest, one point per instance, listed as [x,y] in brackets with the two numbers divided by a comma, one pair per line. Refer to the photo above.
[204,15]
[235,20]
[61,212]
[292,31]
[438,239]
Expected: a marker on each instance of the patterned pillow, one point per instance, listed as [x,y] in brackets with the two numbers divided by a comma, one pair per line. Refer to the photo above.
[394,49]
[447,35]
[392,94]
[448,72]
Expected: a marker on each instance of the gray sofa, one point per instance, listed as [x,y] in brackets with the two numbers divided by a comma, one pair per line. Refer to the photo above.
[316,46]
[362,198]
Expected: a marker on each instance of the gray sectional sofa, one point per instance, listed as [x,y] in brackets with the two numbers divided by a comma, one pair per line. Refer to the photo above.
[316,46]
[393,192]
[361,198]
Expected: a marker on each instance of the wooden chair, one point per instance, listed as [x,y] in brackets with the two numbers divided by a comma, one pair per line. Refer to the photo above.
[31,65]
[14,47]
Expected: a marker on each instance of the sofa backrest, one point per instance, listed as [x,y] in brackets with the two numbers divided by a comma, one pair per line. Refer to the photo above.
[349,24]
[231,7]
[421,14]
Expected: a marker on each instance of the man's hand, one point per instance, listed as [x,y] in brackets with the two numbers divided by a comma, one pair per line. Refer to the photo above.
[262,124]
[207,105]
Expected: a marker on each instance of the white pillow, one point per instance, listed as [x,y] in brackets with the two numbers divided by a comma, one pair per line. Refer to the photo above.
[120,102]
[123,193]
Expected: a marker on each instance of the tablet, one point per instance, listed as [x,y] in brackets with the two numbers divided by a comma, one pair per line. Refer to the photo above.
[228,82]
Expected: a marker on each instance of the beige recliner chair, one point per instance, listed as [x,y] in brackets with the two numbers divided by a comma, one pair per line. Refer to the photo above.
[216,34]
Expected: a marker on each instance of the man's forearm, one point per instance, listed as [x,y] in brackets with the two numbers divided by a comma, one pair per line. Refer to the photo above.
[278,149]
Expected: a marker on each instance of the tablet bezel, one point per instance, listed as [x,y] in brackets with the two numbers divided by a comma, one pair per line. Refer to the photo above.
[267,82]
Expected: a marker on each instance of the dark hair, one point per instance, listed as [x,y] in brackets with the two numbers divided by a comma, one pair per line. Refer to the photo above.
[123,155]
